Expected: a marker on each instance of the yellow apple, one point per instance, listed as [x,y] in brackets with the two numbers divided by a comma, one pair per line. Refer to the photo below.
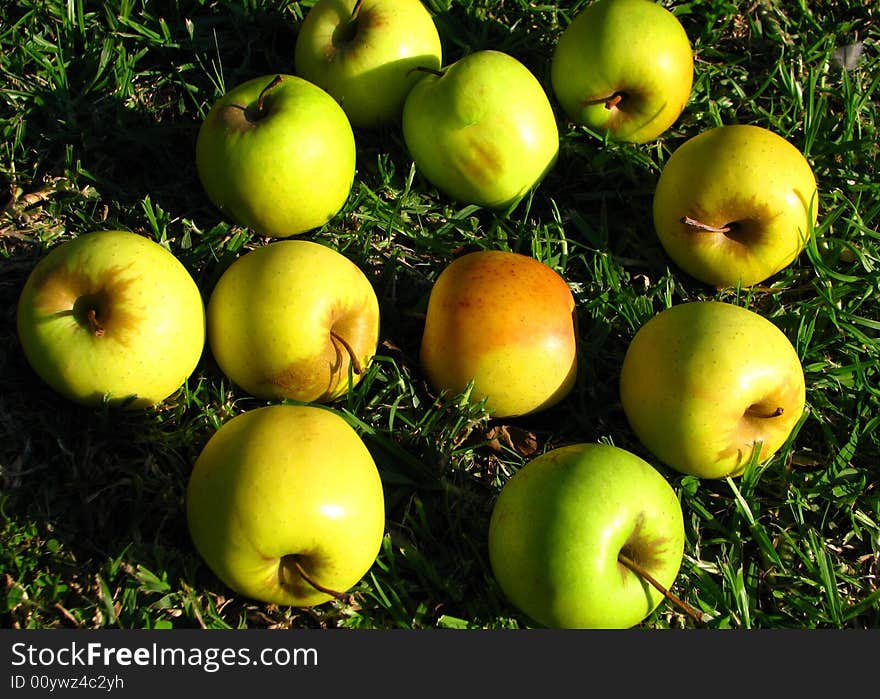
[293,319]
[624,67]
[735,204]
[365,52]
[705,383]
[505,321]
[112,315]
[285,504]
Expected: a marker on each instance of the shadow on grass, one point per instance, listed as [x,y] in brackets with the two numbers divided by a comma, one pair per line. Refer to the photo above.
[106,485]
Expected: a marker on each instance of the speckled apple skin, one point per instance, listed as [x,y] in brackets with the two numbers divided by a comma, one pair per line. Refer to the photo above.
[505,321]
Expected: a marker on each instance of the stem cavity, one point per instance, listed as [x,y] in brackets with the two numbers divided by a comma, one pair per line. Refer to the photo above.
[347,30]
[693,613]
[356,365]
[610,101]
[758,411]
[261,107]
[294,561]
[94,324]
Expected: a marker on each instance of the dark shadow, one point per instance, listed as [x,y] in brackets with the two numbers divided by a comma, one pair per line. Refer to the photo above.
[109,484]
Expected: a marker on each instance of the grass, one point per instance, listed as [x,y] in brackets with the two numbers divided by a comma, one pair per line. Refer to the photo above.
[100,104]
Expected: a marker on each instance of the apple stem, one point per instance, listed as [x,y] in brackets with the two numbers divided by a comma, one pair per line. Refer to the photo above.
[356,365]
[613,101]
[426,69]
[693,613]
[694,223]
[274,83]
[356,9]
[313,583]
[96,327]
[610,101]
[754,411]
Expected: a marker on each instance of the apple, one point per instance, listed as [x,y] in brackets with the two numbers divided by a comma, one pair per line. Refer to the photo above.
[735,204]
[276,154]
[111,316]
[704,384]
[293,319]
[481,130]
[624,68]
[506,322]
[569,531]
[364,52]
[285,505]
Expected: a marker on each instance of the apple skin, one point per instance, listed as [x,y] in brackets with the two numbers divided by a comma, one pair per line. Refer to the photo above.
[743,175]
[281,172]
[483,132]
[149,328]
[703,381]
[636,49]
[507,322]
[271,314]
[281,483]
[367,64]
[559,523]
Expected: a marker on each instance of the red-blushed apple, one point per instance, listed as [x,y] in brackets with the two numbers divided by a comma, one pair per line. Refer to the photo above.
[704,384]
[293,319]
[285,505]
[277,154]
[625,68]
[365,52]
[573,533]
[112,316]
[735,204]
[506,322]
[482,129]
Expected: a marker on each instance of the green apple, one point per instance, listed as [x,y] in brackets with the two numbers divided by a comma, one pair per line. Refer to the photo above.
[111,316]
[285,505]
[293,319]
[735,204]
[481,130]
[277,154]
[706,383]
[364,52]
[623,67]
[563,525]
[506,322]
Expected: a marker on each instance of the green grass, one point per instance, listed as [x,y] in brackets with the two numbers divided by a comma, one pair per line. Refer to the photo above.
[100,104]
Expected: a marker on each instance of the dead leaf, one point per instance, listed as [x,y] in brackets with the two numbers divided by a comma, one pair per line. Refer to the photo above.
[523,442]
